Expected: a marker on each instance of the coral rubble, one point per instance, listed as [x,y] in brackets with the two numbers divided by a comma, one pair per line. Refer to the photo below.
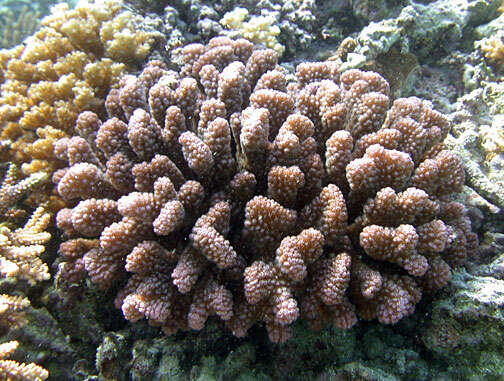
[428,30]
[223,189]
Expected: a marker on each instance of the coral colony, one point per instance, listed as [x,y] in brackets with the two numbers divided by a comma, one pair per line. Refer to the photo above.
[225,189]
[219,184]
[66,67]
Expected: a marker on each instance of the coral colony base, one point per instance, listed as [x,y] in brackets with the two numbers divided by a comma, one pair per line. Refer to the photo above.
[225,189]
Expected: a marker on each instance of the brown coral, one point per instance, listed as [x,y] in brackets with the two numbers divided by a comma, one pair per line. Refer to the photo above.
[69,65]
[222,190]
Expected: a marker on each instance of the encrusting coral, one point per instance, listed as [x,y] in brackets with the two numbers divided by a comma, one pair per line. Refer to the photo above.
[12,317]
[224,190]
[66,67]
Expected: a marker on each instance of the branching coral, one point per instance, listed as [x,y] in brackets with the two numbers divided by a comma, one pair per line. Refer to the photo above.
[258,29]
[16,27]
[12,317]
[11,311]
[66,67]
[224,190]
[13,190]
[11,370]
[20,249]
[493,48]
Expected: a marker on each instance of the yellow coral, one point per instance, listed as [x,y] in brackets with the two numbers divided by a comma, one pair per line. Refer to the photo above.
[11,370]
[12,190]
[66,67]
[12,317]
[492,144]
[11,311]
[258,29]
[122,42]
[20,249]
[493,49]
[235,18]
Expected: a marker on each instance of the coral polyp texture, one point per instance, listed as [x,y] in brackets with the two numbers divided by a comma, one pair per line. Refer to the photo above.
[12,370]
[68,66]
[11,311]
[12,190]
[12,317]
[20,248]
[259,29]
[223,189]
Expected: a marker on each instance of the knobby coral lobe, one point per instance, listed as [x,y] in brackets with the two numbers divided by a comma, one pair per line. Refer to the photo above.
[224,189]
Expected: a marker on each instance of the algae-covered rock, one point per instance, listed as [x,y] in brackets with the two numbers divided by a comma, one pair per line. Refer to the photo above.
[427,30]
[111,356]
[238,365]
[466,329]
[477,137]
[43,342]
[158,359]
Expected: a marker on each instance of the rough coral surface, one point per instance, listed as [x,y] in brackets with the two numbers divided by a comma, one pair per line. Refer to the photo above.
[13,190]
[21,247]
[68,66]
[11,311]
[13,370]
[12,317]
[224,190]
